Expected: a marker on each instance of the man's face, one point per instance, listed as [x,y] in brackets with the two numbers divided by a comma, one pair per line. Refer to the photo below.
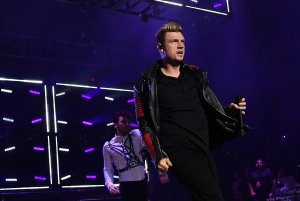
[259,164]
[123,126]
[174,46]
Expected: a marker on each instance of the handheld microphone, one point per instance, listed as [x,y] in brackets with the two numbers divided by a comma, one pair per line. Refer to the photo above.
[241,129]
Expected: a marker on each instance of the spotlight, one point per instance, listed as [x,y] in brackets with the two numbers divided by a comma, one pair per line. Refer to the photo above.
[89,150]
[66,177]
[6,91]
[34,92]
[9,148]
[62,122]
[130,101]
[64,149]
[60,94]
[11,179]
[7,119]
[40,178]
[110,124]
[91,176]
[36,120]
[109,98]
[86,97]
[87,123]
[39,148]
[134,125]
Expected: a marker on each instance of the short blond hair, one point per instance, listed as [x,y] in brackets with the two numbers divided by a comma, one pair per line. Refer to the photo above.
[169,27]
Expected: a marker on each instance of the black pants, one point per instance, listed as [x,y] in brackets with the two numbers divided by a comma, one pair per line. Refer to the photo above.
[195,170]
[134,190]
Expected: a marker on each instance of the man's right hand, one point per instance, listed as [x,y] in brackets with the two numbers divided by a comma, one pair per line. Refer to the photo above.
[164,165]
[114,190]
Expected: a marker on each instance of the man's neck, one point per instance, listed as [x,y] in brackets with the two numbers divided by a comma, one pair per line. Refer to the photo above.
[170,69]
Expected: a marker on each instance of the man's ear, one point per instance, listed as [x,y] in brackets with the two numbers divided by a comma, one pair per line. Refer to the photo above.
[160,46]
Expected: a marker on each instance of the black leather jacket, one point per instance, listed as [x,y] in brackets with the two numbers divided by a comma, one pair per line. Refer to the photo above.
[222,122]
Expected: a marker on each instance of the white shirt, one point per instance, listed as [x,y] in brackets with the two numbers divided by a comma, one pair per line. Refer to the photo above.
[114,153]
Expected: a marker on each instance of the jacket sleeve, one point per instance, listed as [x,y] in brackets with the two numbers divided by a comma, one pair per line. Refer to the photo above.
[108,170]
[148,135]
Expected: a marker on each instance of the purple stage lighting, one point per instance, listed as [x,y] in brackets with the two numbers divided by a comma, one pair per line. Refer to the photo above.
[89,150]
[91,176]
[40,178]
[217,5]
[87,123]
[130,101]
[36,120]
[39,148]
[86,97]
[34,92]
[134,125]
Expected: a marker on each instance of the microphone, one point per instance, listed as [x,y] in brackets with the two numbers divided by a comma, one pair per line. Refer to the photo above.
[240,126]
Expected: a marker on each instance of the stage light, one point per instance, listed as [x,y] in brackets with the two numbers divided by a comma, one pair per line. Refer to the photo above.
[64,149]
[6,91]
[66,177]
[39,148]
[17,80]
[86,97]
[194,1]
[169,2]
[61,94]
[86,186]
[34,92]
[87,123]
[46,110]
[217,5]
[110,124]
[91,176]
[11,179]
[134,125]
[40,178]
[9,148]
[206,10]
[49,158]
[115,89]
[8,119]
[57,160]
[62,122]
[89,150]
[76,85]
[109,98]
[54,110]
[36,120]
[130,100]
[116,177]
[24,188]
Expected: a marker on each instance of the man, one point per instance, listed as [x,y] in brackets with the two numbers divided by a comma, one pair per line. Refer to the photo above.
[181,118]
[125,152]
[262,182]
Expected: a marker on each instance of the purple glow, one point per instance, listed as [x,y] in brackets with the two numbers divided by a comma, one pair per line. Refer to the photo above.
[39,148]
[134,125]
[36,120]
[130,100]
[87,123]
[91,176]
[217,5]
[40,178]
[86,97]
[89,150]
[34,92]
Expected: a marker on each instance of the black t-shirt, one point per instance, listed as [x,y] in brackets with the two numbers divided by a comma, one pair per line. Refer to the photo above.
[182,117]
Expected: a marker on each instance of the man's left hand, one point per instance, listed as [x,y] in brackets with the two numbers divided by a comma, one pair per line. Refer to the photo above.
[241,106]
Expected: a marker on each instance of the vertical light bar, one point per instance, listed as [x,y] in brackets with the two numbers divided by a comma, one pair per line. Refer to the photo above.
[49,156]
[57,160]
[47,111]
[54,110]
[227,3]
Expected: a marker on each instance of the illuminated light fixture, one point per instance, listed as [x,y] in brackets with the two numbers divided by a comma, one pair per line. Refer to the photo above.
[227,3]
[134,125]
[117,177]
[86,186]
[18,80]
[47,110]
[110,124]
[130,100]
[34,92]
[87,123]
[24,188]
[194,1]
[109,98]
[9,148]
[39,148]
[217,5]
[115,89]
[64,149]
[169,2]
[36,120]
[60,94]
[49,158]
[86,97]
[6,91]
[66,177]
[54,112]
[62,122]
[11,179]
[40,178]
[57,161]
[89,150]
[76,85]
[206,10]
[8,119]
[91,176]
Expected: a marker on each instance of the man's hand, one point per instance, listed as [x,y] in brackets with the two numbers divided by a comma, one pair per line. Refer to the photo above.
[114,190]
[164,164]
[240,106]
[164,178]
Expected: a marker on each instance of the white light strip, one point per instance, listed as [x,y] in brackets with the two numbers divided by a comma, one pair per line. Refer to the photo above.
[109,98]
[66,177]
[23,188]
[57,161]
[110,124]
[50,161]
[47,109]
[9,148]
[115,89]
[228,8]
[7,119]
[76,85]
[17,80]
[62,122]
[64,149]
[85,186]
[6,91]
[210,11]
[117,177]
[11,179]
[54,110]
[61,94]
[169,2]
